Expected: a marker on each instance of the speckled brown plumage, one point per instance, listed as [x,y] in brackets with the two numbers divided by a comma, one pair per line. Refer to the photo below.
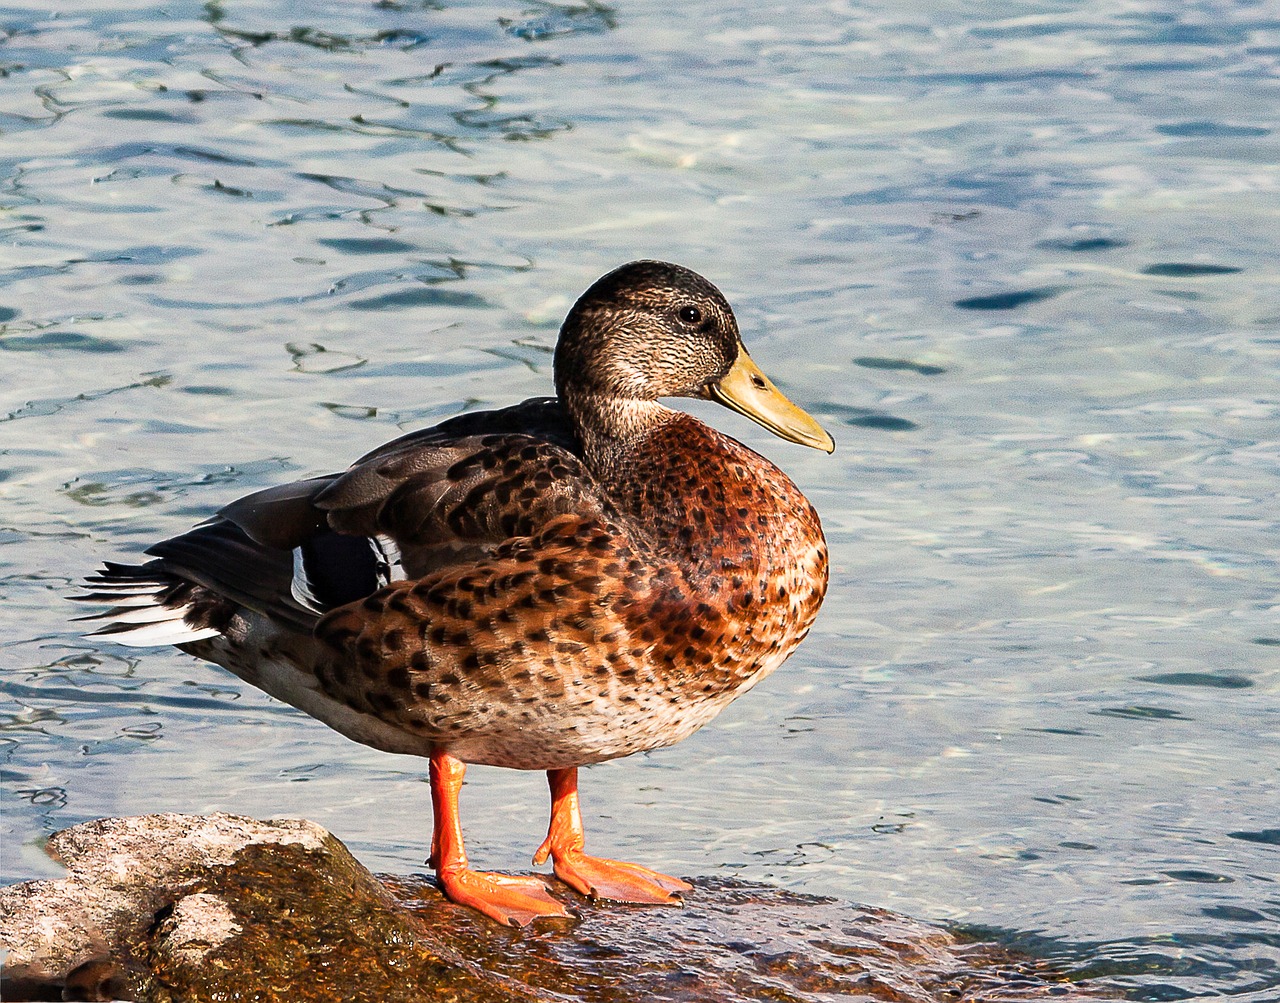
[592,636]
[553,584]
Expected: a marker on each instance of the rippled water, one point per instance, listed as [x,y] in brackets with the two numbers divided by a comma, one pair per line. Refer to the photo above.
[1020,257]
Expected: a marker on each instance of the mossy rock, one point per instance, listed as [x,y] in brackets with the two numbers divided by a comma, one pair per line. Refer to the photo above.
[187,909]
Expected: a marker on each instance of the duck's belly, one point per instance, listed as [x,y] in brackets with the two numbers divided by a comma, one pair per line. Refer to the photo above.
[529,721]
[593,722]
[274,661]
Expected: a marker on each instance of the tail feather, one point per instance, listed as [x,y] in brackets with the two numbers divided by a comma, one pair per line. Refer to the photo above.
[136,614]
[117,598]
[146,607]
[154,634]
[139,585]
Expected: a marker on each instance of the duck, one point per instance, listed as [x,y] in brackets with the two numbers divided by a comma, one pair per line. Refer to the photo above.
[544,586]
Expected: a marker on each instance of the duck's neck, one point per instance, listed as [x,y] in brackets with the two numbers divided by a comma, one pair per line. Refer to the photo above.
[611,428]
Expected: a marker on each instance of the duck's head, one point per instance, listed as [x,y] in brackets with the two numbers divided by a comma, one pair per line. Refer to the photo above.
[651,329]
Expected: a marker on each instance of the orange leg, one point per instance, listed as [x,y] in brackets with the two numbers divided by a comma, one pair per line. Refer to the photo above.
[596,876]
[513,901]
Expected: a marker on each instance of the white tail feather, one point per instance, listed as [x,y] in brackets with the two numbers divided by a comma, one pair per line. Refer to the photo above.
[138,614]
[146,635]
[117,599]
[142,614]
[133,585]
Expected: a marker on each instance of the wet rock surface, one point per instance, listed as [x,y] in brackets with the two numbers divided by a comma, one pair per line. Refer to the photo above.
[216,907]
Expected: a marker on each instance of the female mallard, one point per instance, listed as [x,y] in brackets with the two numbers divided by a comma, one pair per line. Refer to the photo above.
[557,583]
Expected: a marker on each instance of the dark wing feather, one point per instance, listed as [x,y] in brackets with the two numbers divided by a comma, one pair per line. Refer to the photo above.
[446,498]
[543,418]
[228,563]
[281,517]
[439,498]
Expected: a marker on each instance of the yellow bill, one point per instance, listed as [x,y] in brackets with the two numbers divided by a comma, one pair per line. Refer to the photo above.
[748,391]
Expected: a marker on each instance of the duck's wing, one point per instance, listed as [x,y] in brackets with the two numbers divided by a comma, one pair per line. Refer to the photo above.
[454,494]
[541,417]
[430,500]
[197,581]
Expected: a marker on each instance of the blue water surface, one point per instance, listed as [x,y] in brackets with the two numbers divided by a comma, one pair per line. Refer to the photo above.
[1020,258]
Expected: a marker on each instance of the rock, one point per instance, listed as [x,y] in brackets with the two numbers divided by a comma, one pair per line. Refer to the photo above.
[202,908]
[189,907]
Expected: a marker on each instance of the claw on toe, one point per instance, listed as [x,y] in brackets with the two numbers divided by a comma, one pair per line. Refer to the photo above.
[512,901]
[615,880]
[619,881]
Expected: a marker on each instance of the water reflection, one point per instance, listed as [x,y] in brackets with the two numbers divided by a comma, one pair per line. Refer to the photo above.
[1025,256]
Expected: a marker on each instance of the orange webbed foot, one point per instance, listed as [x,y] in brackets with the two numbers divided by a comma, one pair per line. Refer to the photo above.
[615,880]
[596,877]
[512,901]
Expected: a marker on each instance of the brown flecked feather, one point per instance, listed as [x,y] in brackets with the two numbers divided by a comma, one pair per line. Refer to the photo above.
[552,584]
[588,637]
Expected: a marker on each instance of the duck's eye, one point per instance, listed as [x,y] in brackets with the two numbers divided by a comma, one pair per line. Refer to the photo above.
[690,315]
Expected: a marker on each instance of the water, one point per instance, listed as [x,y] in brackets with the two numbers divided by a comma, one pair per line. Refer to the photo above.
[1020,258]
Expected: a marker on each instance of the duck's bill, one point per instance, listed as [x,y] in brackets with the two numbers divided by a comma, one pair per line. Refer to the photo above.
[748,391]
